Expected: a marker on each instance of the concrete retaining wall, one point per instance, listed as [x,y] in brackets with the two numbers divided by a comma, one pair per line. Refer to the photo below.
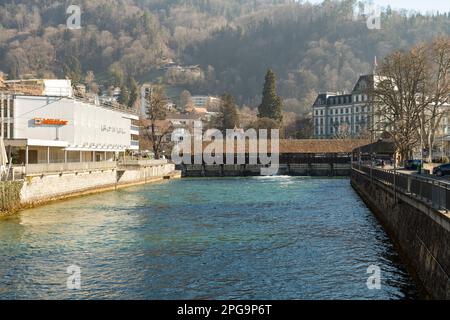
[421,232]
[46,187]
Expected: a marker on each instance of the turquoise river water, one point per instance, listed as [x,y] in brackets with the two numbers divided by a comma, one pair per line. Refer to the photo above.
[236,238]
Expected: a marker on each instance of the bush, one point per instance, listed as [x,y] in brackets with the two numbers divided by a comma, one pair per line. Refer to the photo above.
[10,196]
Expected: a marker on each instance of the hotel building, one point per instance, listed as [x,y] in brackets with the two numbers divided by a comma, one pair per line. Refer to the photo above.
[347,114]
[53,126]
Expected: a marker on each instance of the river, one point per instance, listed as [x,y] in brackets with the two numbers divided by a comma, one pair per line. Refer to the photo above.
[232,238]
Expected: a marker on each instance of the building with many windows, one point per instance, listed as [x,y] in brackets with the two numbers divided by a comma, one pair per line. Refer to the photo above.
[53,126]
[205,101]
[344,114]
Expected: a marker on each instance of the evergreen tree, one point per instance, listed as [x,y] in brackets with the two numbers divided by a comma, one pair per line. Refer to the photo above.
[13,73]
[124,97]
[271,105]
[134,92]
[228,115]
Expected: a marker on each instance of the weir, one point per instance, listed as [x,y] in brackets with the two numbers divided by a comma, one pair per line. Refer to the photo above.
[326,158]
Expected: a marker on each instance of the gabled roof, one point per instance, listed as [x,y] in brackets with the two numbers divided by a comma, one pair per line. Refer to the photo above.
[364,82]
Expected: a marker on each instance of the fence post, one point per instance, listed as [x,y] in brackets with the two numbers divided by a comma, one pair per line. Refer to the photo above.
[446,189]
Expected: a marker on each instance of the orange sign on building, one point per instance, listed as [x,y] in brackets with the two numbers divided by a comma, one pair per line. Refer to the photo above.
[50,122]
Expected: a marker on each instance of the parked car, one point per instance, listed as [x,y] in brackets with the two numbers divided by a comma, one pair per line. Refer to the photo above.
[413,164]
[442,170]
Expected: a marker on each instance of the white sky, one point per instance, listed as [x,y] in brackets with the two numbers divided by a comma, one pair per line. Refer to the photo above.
[423,6]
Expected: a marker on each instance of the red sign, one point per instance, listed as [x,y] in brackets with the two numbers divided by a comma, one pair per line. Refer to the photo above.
[50,122]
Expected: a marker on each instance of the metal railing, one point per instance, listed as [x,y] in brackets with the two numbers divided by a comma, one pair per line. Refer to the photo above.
[42,168]
[21,171]
[432,192]
[141,162]
[108,105]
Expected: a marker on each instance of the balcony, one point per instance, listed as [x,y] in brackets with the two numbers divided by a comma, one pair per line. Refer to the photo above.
[134,130]
[134,145]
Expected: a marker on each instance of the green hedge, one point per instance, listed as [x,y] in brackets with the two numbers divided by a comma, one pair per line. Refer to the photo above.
[10,196]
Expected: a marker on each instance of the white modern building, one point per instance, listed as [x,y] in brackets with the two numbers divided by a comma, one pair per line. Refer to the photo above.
[55,127]
[204,101]
[146,91]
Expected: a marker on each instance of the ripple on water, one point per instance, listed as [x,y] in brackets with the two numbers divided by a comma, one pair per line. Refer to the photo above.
[236,238]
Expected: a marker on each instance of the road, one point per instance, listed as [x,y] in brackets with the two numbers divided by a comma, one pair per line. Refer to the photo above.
[445,179]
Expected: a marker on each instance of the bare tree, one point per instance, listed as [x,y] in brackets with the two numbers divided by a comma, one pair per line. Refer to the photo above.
[396,99]
[436,91]
[156,111]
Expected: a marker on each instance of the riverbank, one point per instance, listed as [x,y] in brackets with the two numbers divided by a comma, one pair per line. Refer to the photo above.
[39,189]
[421,232]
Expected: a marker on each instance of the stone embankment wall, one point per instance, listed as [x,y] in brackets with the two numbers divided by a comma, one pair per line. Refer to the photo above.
[38,189]
[421,232]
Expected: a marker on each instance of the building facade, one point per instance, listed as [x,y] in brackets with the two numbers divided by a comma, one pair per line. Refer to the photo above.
[55,127]
[205,101]
[344,114]
[146,92]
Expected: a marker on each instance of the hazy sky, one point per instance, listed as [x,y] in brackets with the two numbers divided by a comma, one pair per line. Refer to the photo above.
[418,5]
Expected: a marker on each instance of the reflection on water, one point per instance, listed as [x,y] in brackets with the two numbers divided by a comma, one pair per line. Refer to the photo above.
[253,238]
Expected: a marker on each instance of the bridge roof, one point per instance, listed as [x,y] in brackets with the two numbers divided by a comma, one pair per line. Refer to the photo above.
[332,146]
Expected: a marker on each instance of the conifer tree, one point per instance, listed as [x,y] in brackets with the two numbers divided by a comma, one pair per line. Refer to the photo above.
[124,97]
[271,105]
[134,92]
[228,116]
